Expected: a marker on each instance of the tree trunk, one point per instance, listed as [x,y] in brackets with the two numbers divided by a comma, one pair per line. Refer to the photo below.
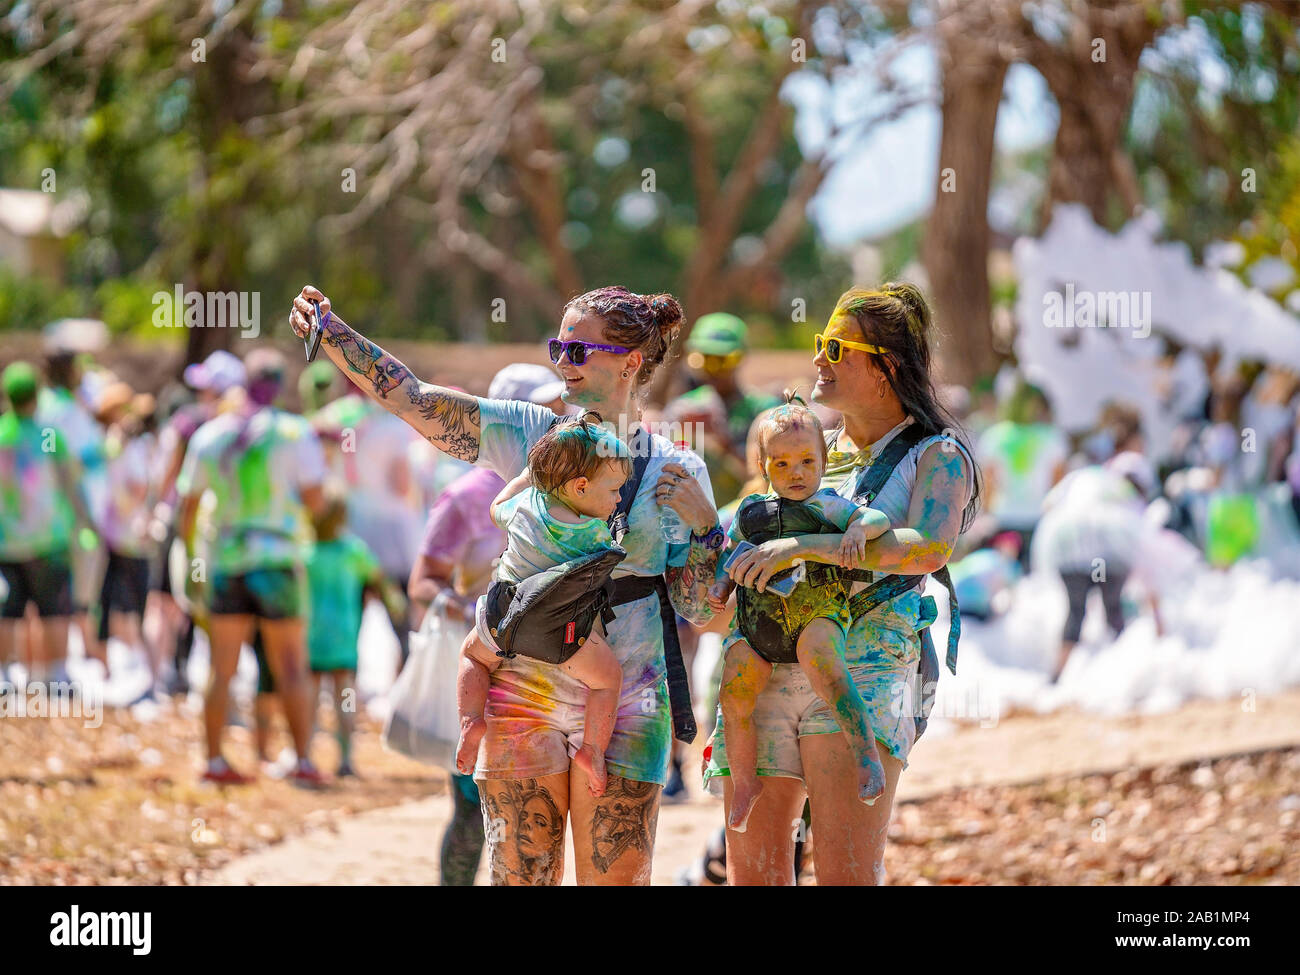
[1092,75]
[225,100]
[956,246]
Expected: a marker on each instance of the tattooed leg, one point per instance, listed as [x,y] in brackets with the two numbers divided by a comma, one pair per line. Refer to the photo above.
[446,418]
[614,835]
[688,585]
[523,820]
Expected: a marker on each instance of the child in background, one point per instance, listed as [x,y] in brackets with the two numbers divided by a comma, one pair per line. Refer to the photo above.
[557,510]
[341,572]
[982,576]
[792,450]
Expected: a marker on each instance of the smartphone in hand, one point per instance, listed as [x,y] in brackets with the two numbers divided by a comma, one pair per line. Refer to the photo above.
[785,582]
[312,341]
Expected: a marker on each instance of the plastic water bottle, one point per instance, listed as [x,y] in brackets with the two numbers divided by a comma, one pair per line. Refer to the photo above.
[675,531]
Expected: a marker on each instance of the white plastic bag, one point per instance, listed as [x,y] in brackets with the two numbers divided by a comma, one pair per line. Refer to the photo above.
[423,723]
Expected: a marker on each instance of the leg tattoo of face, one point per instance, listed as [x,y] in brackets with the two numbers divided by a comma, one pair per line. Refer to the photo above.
[525,832]
[624,819]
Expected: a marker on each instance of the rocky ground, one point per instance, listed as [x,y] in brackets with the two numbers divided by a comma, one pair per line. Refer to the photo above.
[1209,794]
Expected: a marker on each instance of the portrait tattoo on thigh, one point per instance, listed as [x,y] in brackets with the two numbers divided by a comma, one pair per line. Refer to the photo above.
[525,833]
[624,819]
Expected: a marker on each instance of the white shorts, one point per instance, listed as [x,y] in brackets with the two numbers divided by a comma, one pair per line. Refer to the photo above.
[481,626]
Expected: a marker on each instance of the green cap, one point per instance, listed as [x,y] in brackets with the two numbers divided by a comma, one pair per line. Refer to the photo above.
[315,380]
[20,382]
[717,333]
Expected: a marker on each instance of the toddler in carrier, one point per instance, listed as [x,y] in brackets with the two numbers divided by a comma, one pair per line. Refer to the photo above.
[808,626]
[555,514]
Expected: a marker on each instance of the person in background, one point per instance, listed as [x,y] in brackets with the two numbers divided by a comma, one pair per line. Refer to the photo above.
[341,572]
[1022,456]
[262,464]
[1090,535]
[460,549]
[702,419]
[317,386]
[370,454]
[714,351]
[985,574]
[58,406]
[130,446]
[41,502]
[211,380]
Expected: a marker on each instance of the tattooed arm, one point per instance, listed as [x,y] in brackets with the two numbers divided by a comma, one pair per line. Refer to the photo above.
[689,585]
[446,418]
[923,545]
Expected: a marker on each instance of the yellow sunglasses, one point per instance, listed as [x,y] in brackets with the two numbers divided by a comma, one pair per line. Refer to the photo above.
[835,347]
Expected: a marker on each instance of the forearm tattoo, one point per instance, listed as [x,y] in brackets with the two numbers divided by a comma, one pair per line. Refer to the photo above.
[623,819]
[448,419]
[525,833]
[688,585]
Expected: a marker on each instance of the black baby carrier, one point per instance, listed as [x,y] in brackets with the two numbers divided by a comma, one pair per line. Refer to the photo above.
[772,623]
[550,615]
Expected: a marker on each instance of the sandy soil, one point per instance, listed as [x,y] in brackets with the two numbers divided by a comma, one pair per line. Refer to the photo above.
[1062,772]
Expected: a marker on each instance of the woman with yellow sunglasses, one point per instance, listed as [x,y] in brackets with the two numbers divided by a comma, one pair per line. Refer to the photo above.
[873,366]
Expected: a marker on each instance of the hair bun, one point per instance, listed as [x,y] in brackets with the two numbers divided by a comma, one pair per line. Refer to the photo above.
[912,299]
[668,315]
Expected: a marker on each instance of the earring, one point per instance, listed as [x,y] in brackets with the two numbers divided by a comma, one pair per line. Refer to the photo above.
[625,374]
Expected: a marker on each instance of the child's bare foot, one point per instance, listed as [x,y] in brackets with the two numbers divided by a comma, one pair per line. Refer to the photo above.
[471,733]
[592,761]
[745,793]
[871,777]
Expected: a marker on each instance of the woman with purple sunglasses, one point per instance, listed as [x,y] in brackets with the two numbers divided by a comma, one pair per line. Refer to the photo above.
[609,343]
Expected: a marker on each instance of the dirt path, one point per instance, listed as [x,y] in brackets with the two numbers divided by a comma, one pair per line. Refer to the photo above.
[399,845]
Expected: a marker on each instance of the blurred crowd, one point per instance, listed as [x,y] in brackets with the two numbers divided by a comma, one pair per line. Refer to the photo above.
[1127,511]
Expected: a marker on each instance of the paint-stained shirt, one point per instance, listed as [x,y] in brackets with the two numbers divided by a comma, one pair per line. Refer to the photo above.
[256,465]
[537,540]
[373,459]
[1022,459]
[337,572]
[36,518]
[893,625]
[59,409]
[460,529]
[132,472]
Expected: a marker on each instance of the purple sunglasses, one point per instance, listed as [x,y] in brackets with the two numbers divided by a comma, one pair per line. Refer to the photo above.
[577,350]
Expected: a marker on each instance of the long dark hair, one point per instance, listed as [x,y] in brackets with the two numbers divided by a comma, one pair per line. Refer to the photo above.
[897,318]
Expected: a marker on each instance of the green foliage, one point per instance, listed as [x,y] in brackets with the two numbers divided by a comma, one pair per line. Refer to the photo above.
[126,306]
[27,303]
[1205,114]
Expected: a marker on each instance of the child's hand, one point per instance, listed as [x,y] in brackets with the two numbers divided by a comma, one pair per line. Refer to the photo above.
[718,593]
[853,546]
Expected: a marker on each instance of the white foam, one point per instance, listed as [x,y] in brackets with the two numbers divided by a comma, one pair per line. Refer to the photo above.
[1227,634]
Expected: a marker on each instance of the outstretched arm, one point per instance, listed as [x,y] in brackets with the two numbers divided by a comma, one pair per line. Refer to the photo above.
[446,418]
